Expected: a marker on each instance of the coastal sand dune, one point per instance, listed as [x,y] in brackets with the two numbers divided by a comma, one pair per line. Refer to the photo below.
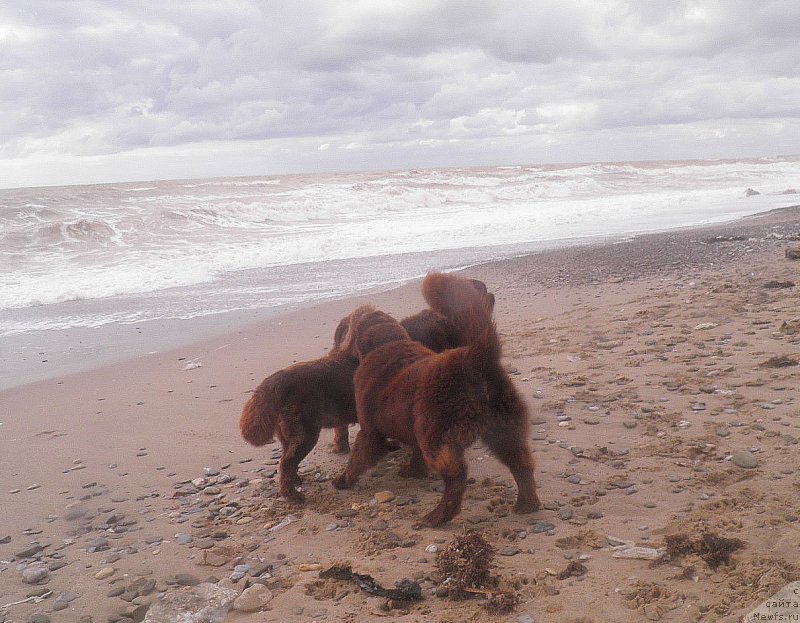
[662,375]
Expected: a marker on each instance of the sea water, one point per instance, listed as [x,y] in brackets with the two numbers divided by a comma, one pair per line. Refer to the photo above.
[83,257]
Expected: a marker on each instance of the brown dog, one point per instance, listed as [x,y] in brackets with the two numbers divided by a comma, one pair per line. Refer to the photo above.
[295,403]
[438,404]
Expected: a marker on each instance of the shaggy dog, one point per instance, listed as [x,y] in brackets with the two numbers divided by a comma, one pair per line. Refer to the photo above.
[438,404]
[295,403]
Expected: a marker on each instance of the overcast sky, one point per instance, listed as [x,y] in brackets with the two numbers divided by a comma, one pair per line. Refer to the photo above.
[136,89]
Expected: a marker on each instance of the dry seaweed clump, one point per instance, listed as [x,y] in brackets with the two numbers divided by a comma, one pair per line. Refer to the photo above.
[712,548]
[466,563]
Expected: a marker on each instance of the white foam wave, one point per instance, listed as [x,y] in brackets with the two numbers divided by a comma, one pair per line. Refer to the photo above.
[56,245]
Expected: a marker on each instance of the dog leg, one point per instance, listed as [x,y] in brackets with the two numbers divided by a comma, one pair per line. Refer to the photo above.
[300,444]
[511,448]
[450,463]
[368,448]
[341,443]
[416,467]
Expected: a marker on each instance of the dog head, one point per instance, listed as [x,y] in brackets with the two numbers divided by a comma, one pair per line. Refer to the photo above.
[369,329]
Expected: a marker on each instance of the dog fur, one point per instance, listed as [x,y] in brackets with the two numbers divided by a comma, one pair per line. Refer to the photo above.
[438,404]
[295,403]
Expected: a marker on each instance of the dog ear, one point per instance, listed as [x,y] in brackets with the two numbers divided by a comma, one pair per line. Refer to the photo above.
[347,344]
[341,331]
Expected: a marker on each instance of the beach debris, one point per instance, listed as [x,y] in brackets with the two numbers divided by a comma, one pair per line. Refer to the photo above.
[573,569]
[712,548]
[790,327]
[703,326]
[33,599]
[779,361]
[501,602]
[793,253]
[638,552]
[405,590]
[192,364]
[289,519]
[750,192]
[720,238]
[466,564]
[205,602]
[775,284]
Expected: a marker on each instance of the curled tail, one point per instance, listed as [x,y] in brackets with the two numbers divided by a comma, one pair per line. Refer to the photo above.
[468,307]
[259,417]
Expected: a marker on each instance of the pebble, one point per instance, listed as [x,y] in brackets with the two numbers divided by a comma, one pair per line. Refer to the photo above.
[509,551]
[239,571]
[183,539]
[34,575]
[745,460]
[382,497]
[253,598]
[183,579]
[105,572]
[541,525]
[29,551]
[62,601]
[432,548]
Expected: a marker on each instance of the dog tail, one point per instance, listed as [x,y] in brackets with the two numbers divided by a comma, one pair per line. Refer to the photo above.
[259,416]
[465,305]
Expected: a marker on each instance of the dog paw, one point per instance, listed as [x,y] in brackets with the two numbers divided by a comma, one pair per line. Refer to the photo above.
[409,470]
[340,448]
[293,496]
[340,482]
[435,518]
[527,506]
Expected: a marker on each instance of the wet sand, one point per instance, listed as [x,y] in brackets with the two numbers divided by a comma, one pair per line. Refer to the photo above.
[662,379]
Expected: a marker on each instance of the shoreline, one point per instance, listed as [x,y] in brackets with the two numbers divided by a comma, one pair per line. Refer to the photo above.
[663,401]
[56,353]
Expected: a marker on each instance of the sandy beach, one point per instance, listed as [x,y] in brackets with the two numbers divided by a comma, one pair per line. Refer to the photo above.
[662,378]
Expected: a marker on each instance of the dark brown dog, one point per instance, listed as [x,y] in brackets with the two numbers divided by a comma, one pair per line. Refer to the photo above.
[438,404]
[295,403]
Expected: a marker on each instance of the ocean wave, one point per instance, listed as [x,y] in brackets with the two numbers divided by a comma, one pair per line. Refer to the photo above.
[63,244]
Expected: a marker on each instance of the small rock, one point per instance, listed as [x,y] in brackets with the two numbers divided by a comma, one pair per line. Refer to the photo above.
[541,525]
[29,551]
[253,598]
[34,575]
[105,572]
[509,551]
[382,497]
[745,460]
[204,602]
[62,601]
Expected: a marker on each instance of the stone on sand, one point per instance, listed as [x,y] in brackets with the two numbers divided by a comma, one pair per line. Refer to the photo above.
[253,598]
[745,460]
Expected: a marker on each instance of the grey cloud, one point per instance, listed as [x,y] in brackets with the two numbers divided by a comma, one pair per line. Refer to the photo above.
[82,77]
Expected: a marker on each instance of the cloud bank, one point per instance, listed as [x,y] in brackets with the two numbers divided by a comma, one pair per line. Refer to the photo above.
[143,89]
